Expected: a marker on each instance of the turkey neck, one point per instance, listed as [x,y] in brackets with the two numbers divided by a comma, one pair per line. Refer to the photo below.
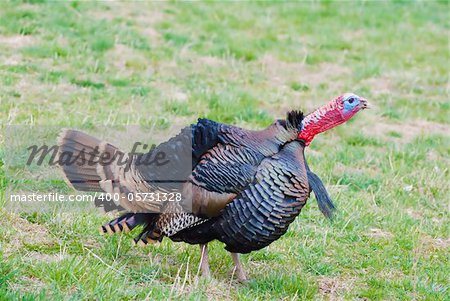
[319,121]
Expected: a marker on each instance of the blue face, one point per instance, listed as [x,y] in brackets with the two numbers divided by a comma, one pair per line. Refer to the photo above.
[351,102]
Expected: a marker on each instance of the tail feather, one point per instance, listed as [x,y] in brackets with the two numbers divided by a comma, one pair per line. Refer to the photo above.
[81,155]
[149,234]
[79,173]
[87,174]
[117,225]
[83,159]
[128,221]
[147,237]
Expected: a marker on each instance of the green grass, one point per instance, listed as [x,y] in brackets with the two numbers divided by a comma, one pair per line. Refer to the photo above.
[82,64]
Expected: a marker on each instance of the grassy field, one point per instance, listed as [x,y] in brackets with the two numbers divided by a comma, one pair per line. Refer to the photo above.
[81,64]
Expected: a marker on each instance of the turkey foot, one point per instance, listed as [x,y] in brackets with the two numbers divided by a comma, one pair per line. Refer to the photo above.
[238,268]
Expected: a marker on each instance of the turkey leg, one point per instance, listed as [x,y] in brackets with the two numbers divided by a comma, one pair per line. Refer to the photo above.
[238,268]
[204,262]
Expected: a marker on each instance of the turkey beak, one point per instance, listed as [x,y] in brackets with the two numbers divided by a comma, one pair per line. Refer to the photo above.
[363,104]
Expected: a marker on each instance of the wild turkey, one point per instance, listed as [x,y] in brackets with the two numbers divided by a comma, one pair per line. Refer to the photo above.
[246,186]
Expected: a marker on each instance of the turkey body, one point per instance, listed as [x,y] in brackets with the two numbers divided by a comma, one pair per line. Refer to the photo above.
[263,210]
[246,187]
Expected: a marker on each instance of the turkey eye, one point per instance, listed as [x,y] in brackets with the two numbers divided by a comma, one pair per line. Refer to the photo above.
[351,100]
